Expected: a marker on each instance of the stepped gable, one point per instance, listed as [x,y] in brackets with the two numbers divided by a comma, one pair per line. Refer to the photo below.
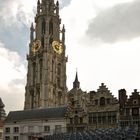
[134,99]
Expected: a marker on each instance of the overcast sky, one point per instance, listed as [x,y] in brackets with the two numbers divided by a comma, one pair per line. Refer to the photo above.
[102,39]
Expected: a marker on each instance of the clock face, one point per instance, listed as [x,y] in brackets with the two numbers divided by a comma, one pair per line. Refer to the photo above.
[57,47]
[36,46]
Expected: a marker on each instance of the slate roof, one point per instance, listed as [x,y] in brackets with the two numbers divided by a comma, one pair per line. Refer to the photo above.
[36,114]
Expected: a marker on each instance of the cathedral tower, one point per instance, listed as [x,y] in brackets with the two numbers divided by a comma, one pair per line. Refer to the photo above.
[46,76]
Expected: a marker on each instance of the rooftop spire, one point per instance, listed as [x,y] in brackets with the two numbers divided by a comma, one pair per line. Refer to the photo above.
[38,2]
[76,83]
[32,32]
[57,3]
[63,35]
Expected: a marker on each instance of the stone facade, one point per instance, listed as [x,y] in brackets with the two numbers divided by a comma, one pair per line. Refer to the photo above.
[129,108]
[103,109]
[34,124]
[96,109]
[77,115]
[46,76]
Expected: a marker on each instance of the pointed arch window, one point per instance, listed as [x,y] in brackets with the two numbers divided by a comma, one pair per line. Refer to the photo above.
[42,41]
[38,97]
[41,66]
[76,120]
[59,75]
[59,97]
[51,40]
[59,69]
[43,27]
[51,27]
[32,99]
[34,72]
[52,70]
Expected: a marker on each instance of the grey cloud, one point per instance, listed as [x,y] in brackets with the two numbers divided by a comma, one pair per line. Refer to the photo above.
[121,22]
[12,98]
[14,31]
[17,82]
[15,39]
[64,3]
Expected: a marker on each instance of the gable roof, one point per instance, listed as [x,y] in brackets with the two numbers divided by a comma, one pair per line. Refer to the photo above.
[36,114]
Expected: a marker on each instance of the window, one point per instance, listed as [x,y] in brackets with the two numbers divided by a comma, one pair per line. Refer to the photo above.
[102,101]
[99,119]
[96,102]
[114,119]
[76,120]
[91,95]
[58,128]
[135,102]
[41,65]
[42,41]
[103,119]
[52,70]
[7,130]
[32,98]
[0,135]
[34,72]
[59,75]
[47,128]
[94,120]
[16,129]
[90,118]
[43,26]
[51,27]
[59,97]
[7,138]
[81,120]
[135,111]
[71,120]
[108,100]
[59,69]
[109,119]
[127,111]
[31,128]
[15,138]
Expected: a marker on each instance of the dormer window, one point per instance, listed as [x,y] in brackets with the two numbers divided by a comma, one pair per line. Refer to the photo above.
[102,101]
[135,102]
[96,102]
